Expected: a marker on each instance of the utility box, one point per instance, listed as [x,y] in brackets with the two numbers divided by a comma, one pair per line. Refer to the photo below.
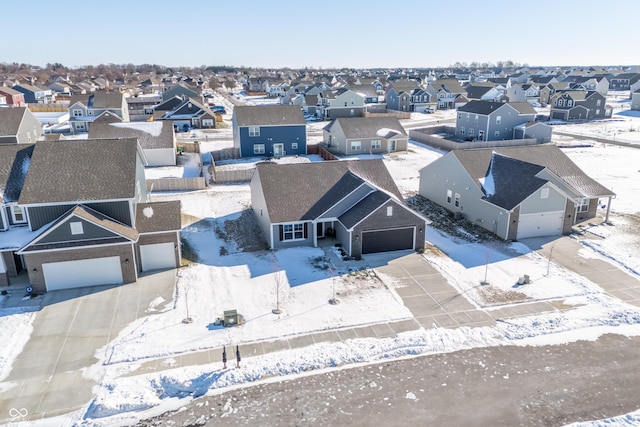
[230,317]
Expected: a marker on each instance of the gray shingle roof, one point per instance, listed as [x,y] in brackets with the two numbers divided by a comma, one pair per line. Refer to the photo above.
[477,161]
[14,165]
[313,188]
[368,127]
[503,173]
[158,217]
[268,115]
[363,208]
[10,119]
[81,170]
[150,135]
[488,107]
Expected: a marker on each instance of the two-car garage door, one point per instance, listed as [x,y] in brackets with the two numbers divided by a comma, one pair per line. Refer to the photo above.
[540,224]
[387,240]
[85,272]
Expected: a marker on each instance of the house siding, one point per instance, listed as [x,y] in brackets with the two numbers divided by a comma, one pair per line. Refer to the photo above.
[259,206]
[536,204]
[34,262]
[43,215]
[308,241]
[568,217]
[270,135]
[514,219]
[590,213]
[62,233]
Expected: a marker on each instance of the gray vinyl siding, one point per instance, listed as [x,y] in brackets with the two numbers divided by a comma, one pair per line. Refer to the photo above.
[43,215]
[277,243]
[5,212]
[259,207]
[141,184]
[447,173]
[535,203]
[270,135]
[365,146]
[343,236]
[63,232]
[509,119]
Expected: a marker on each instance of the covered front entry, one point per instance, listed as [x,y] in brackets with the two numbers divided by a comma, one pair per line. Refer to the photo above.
[388,240]
[540,224]
[157,256]
[85,272]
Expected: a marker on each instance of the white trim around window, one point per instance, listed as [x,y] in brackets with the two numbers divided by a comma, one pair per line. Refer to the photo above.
[254,130]
[356,145]
[18,215]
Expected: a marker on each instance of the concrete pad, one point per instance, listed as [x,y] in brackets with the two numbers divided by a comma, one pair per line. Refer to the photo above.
[246,350]
[461,318]
[145,368]
[427,322]
[383,330]
[392,270]
[365,332]
[275,346]
[329,336]
[445,321]
[301,341]
[409,290]
[196,358]
[63,400]
[404,326]
[479,317]
[346,334]
[423,305]
[70,361]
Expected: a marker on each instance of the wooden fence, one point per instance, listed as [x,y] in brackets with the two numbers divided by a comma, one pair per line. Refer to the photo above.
[428,136]
[176,184]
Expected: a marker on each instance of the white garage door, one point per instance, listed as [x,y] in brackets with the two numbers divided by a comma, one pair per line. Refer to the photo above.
[160,255]
[540,224]
[85,272]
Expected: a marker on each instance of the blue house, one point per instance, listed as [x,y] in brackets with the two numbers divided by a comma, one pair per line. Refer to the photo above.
[33,94]
[269,130]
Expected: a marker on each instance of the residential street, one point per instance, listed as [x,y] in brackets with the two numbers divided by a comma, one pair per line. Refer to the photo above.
[500,386]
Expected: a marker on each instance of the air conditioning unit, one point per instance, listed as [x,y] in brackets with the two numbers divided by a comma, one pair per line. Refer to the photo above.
[458,215]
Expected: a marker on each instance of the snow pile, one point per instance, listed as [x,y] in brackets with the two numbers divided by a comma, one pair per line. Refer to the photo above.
[16,325]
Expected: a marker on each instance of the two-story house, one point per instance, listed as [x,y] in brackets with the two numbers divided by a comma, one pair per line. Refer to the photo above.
[339,103]
[491,121]
[19,126]
[75,213]
[83,109]
[13,97]
[579,105]
[447,93]
[34,94]
[624,81]
[269,130]
[398,95]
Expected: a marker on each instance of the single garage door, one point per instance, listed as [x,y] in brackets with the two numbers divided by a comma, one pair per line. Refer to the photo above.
[85,272]
[159,255]
[387,240]
[540,224]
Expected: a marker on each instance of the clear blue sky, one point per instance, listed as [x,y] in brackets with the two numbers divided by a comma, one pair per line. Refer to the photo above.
[326,33]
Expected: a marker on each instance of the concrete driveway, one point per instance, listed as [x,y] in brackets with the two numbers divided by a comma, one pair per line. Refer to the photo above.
[47,378]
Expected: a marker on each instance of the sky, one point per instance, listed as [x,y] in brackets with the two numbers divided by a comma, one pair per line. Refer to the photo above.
[327,34]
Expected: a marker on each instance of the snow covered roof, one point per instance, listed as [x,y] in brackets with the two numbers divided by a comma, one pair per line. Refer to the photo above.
[151,135]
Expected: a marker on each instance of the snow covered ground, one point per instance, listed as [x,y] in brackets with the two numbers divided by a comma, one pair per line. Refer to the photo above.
[226,277]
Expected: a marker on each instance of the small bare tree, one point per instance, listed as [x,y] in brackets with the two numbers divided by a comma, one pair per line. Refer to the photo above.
[277,279]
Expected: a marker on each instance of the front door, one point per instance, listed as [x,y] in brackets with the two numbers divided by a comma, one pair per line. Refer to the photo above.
[392,145]
[320,230]
[278,150]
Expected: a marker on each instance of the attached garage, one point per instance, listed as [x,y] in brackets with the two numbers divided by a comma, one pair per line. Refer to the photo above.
[387,240]
[540,224]
[80,273]
[158,256]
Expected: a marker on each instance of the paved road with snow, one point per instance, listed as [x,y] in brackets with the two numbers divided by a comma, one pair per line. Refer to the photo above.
[514,386]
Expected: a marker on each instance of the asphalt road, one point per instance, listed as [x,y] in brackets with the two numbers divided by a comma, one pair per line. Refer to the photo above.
[501,386]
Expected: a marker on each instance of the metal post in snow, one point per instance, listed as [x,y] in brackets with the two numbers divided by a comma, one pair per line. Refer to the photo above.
[237,357]
[224,357]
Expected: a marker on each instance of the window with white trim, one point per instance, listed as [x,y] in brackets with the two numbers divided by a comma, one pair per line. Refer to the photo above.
[356,145]
[598,102]
[77,113]
[258,148]
[254,130]
[456,200]
[293,231]
[584,205]
[389,210]
[375,144]
[496,134]
[17,214]
[461,130]
[294,145]
[449,196]
[471,132]
[498,120]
